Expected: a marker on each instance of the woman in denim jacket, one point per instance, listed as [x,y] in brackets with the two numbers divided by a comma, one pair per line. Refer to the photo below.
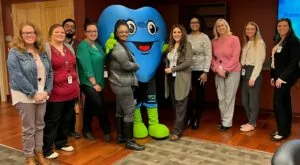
[31,83]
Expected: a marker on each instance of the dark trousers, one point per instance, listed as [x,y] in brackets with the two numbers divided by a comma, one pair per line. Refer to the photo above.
[73,122]
[57,123]
[180,107]
[94,105]
[283,109]
[196,106]
[250,95]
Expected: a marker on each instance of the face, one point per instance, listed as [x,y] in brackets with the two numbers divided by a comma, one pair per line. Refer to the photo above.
[58,35]
[250,31]
[122,32]
[221,28]
[69,28]
[28,35]
[91,32]
[195,24]
[177,34]
[283,28]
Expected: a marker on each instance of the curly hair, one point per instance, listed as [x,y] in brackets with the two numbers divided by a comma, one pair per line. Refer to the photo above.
[183,39]
[19,43]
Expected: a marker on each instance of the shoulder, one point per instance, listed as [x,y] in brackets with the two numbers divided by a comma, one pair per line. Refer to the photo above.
[293,40]
[83,44]
[204,35]
[261,43]
[234,37]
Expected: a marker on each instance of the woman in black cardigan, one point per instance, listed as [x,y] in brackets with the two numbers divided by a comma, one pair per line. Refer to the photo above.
[284,74]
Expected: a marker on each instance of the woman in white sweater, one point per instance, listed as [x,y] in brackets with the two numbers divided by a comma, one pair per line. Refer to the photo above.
[252,59]
[202,54]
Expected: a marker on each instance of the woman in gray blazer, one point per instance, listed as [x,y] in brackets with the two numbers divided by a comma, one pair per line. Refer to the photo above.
[122,80]
[178,76]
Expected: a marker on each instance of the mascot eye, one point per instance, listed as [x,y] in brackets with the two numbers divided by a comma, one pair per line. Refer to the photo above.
[152,29]
[132,27]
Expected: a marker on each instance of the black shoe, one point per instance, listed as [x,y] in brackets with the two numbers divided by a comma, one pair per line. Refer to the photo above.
[74,134]
[274,133]
[220,125]
[189,122]
[121,139]
[132,145]
[195,124]
[223,128]
[89,136]
[107,138]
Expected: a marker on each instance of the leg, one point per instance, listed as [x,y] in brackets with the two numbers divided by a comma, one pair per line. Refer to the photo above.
[61,139]
[231,86]
[52,120]
[27,114]
[181,106]
[245,95]
[254,93]
[220,85]
[199,105]
[39,126]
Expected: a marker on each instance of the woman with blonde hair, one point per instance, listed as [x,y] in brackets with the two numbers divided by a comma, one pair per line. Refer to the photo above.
[253,57]
[226,65]
[178,76]
[31,77]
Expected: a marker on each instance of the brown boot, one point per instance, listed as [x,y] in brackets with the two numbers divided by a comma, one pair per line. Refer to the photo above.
[30,161]
[41,159]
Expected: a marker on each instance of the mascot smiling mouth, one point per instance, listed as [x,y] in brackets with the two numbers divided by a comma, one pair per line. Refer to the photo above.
[144,47]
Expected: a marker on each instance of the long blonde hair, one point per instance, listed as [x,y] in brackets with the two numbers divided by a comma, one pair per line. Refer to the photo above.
[18,41]
[257,36]
[216,35]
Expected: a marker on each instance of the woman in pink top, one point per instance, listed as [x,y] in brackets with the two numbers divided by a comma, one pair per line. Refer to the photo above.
[226,65]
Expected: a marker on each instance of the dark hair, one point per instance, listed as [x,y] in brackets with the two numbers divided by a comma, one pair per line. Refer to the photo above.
[290,34]
[69,20]
[119,23]
[183,39]
[54,26]
[202,24]
[87,23]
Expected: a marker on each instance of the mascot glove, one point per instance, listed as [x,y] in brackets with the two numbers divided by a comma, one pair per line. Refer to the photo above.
[110,43]
[164,48]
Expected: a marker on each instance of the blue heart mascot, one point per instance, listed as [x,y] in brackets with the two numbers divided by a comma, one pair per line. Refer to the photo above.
[147,33]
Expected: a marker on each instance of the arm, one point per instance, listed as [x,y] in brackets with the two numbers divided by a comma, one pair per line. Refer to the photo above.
[260,55]
[16,76]
[187,59]
[49,82]
[84,59]
[120,55]
[207,53]
[236,49]
[294,53]
[214,64]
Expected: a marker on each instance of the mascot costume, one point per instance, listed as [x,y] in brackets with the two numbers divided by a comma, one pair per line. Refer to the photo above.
[147,33]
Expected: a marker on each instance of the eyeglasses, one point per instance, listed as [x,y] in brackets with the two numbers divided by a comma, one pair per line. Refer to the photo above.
[194,22]
[92,31]
[28,33]
[70,27]
[123,32]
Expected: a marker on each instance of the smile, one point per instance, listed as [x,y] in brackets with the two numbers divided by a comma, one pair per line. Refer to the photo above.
[144,47]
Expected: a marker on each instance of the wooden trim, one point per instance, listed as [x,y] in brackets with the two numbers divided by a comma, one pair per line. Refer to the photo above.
[3,70]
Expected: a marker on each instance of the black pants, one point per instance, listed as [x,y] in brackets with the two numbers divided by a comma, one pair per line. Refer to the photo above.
[57,122]
[179,106]
[73,121]
[195,107]
[94,105]
[283,109]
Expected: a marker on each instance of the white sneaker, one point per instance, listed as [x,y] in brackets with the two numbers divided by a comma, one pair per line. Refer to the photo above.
[67,148]
[53,155]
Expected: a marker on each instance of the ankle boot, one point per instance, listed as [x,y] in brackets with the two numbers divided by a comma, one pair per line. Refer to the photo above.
[41,159]
[130,142]
[30,161]
[120,131]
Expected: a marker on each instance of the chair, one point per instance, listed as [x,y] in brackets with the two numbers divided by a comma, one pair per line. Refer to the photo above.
[287,154]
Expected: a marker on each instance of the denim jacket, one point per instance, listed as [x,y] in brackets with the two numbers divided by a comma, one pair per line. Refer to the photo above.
[23,74]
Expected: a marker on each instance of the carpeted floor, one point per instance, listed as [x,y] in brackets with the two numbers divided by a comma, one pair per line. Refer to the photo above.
[189,151]
[11,156]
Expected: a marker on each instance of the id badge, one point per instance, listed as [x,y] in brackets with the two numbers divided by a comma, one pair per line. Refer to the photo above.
[105,74]
[174,74]
[279,49]
[243,72]
[70,80]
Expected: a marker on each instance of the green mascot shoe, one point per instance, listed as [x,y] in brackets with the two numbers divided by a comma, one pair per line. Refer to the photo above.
[156,130]
[139,128]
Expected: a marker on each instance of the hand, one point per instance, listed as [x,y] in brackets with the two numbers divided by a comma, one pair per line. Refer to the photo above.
[251,83]
[168,70]
[97,88]
[203,78]
[38,98]
[45,95]
[221,72]
[279,82]
[272,82]
[110,43]
[164,48]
